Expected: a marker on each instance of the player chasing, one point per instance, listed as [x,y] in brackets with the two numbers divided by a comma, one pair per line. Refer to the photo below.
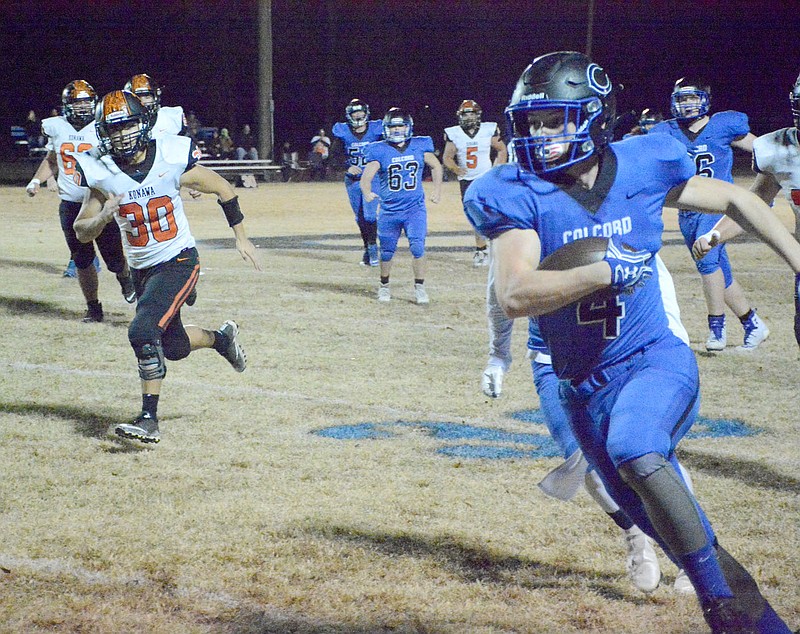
[136,182]
[629,385]
[74,131]
[353,136]
[467,153]
[399,161]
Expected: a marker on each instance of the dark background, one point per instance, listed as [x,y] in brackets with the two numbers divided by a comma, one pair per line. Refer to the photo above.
[410,54]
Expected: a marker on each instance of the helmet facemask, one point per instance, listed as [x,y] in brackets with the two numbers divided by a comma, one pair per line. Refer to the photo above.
[551,135]
[794,101]
[357,114]
[689,103]
[469,116]
[123,125]
[78,101]
[397,127]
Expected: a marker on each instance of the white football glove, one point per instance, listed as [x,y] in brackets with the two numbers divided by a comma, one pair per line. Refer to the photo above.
[492,380]
[33,187]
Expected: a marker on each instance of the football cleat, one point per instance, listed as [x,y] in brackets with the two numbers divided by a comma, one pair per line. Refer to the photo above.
[384,294]
[234,353]
[725,616]
[683,585]
[97,266]
[128,289]
[94,313]
[480,258]
[717,339]
[755,332]
[364,258]
[70,271]
[144,429]
[642,564]
[421,295]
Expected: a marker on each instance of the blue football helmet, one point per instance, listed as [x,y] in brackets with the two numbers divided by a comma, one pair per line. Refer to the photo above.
[123,124]
[569,93]
[649,118]
[354,107]
[691,99]
[398,126]
[794,100]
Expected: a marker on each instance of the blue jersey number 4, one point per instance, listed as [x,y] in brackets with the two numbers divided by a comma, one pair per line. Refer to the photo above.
[609,313]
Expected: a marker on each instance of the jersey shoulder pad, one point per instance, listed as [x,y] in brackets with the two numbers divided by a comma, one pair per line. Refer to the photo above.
[500,200]
[425,143]
[174,149]
[339,129]
[51,125]
[734,121]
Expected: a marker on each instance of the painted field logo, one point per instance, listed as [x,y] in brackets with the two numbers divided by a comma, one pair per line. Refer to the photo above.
[460,440]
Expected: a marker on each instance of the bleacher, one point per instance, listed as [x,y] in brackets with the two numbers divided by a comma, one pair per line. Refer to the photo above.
[21,145]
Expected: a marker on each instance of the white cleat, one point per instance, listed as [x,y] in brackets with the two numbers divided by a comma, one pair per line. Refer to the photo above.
[421,295]
[683,584]
[755,333]
[641,561]
[384,294]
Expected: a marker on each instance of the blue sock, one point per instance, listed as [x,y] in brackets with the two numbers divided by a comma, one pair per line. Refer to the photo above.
[771,623]
[705,573]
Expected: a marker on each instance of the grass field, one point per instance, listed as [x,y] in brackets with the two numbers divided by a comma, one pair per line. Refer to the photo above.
[354,479]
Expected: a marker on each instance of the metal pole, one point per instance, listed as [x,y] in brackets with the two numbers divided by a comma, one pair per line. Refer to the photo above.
[590,27]
[266,106]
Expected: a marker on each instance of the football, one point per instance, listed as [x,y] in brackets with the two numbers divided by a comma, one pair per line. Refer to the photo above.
[577,253]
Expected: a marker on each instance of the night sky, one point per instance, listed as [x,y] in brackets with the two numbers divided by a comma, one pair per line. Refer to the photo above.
[410,54]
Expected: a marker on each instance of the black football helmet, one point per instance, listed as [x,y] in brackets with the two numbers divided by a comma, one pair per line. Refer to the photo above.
[123,124]
[78,100]
[566,91]
[469,115]
[794,99]
[354,107]
[395,118]
[691,99]
[147,90]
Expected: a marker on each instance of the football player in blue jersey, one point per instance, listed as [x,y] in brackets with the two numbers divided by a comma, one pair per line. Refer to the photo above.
[628,384]
[564,481]
[399,161]
[352,136]
[710,140]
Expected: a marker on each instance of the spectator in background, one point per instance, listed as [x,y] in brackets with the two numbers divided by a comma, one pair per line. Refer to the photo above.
[214,145]
[290,161]
[246,145]
[226,145]
[318,156]
[193,125]
[33,130]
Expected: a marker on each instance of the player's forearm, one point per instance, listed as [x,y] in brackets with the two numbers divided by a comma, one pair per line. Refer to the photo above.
[87,229]
[537,292]
[752,213]
[727,229]
[46,169]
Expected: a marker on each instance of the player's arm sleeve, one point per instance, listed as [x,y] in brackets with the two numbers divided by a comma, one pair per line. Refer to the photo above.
[194,156]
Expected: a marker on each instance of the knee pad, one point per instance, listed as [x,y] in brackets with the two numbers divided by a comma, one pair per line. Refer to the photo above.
[150,357]
[84,256]
[417,247]
[670,506]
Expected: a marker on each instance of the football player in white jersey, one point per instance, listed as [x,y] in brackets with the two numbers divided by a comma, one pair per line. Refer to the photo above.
[467,153]
[166,119]
[74,131]
[776,162]
[136,182]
